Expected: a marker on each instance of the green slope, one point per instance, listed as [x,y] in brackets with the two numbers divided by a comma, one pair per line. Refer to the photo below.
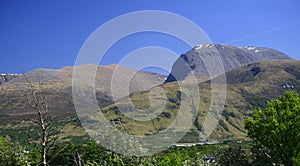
[247,88]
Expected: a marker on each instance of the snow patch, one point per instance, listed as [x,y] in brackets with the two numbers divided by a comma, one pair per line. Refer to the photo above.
[250,48]
[8,74]
[209,46]
[198,47]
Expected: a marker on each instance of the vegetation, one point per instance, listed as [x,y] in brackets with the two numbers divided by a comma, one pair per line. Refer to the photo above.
[92,154]
[274,127]
[46,136]
[275,133]
[12,154]
[234,155]
[243,96]
[276,130]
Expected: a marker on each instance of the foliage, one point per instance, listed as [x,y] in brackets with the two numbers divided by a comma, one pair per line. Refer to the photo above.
[234,156]
[277,128]
[12,154]
[261,156]
[274,130]
[34,157]
[93,155]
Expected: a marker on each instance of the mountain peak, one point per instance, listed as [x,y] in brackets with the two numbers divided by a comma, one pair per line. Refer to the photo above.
[231,56]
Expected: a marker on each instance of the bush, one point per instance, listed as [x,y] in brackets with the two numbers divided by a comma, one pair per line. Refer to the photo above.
[12,154]
[277,128]
[233,156]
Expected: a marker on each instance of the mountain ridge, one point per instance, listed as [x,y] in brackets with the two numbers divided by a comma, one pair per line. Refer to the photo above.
[231,56]
[243,96]
[57,83]
[249,86]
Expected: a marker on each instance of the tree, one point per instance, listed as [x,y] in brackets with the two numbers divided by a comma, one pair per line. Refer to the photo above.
[12,154]
[38,101]
[277,128]
[233,155]
[72,155]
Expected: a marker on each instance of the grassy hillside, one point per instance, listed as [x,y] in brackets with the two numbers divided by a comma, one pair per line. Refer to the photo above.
[248,87]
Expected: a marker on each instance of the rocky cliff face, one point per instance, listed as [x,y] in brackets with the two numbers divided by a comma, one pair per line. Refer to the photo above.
[231,56]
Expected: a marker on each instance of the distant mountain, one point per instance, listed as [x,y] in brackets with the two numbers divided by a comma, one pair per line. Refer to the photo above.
[139,82]
[248,87]
[7,77]
[231,56]
[58,85]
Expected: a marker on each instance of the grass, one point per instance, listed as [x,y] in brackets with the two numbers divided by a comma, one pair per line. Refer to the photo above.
[242,98]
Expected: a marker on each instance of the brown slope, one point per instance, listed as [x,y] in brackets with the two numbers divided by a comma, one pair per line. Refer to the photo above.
[58,85]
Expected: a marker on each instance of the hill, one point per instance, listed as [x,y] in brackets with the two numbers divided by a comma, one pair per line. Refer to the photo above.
[57,84]
[7,77]
[232,57]
[248,87]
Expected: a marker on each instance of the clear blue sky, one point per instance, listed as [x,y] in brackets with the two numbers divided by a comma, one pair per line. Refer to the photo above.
[49,34]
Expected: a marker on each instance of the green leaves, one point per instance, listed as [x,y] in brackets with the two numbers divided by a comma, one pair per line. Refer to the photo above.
[12,154]
[277,127]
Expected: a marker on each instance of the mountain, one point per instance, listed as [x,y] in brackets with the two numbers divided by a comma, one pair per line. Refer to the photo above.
[7,77]
[231,56]
[248,87]
[57,84]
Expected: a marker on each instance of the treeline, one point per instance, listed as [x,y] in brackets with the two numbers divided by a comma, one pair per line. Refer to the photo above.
[92,154]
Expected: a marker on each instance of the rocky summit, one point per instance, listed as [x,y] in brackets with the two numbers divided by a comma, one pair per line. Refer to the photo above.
[231,56]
